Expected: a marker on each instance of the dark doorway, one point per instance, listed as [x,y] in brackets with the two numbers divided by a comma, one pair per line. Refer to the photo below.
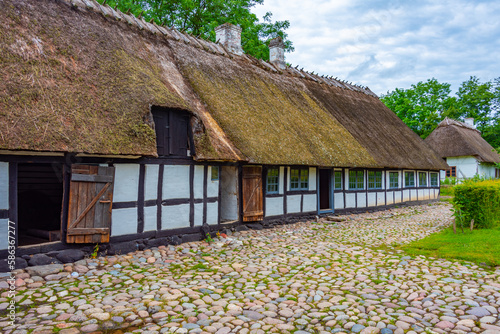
[325,178]
[40,193]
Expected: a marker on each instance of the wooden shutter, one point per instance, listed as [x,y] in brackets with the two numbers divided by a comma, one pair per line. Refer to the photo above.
[252,194]
[90,202]
[179,133]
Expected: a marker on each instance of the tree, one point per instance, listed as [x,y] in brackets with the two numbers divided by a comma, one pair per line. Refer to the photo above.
[422,106]
[426,104]
[201,17]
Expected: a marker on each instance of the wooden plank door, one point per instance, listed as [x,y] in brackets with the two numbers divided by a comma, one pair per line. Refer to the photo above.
[252,194]
[90,202]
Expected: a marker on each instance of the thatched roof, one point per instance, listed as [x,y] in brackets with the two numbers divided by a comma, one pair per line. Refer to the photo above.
[452,138]
[81,77]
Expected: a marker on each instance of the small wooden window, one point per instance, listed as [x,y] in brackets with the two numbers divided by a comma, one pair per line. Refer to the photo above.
[393,180]
[434,179]
[338,180]
[273,180]
[299,179]
[409,179]
[171,127]
[422,179]
[356,179]
[452,172]
[215,173]
[374,179]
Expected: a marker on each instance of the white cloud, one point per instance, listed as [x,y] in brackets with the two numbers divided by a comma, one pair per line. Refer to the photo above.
[390,44]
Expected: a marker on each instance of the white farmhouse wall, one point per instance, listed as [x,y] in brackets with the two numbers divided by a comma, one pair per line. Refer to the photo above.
[197,182]
[212,186]
[372,199]
[175,216]
[350,200]
[150,218]
[229,193]
[4,185]
[151,182]
[361,199]
[176,182]
[310,203]
[4,232]
[126,185]
[124,221]
[212,213]
[198,214]
[274,206]
[293,203]
[380,198]
[312,178]
[338,201]
[466,166]
[486,170]
[281,180]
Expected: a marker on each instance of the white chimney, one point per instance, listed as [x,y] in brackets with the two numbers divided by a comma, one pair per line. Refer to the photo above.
[229,36]
[470,121]
[277,52]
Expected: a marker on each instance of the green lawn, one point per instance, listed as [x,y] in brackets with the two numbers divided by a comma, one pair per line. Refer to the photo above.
[480,246]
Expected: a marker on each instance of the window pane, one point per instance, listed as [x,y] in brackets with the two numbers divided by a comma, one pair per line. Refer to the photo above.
[294,179]
[361,180]
[378,180]
[434,179]
[422,179]
[338,180]
[215,173]
[304,179]
[272,180]
[352,179]
[393,180]
[409,179]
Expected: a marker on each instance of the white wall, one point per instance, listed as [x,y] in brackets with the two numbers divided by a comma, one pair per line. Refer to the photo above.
[338,200]
[124,221]
[4,186]
[212,213]
[197,182]
[486,170]
[174,216]
[293,203]
[198,214]
[310,203]
[175,182]
[150,218]
[467,166]
[151,182]
[229,193]
[372,197]
[212,186]
[312,178]
[274,206]
[126,185]
[361,199]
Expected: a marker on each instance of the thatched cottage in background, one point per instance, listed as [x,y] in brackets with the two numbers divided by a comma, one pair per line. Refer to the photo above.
[115,130]
[463,148]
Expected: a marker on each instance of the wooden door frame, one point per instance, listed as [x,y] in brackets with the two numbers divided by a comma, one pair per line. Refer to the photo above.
[332,193]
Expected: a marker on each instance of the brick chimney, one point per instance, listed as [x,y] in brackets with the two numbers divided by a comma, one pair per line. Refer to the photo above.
[277,52]
[470,121]
[229,35]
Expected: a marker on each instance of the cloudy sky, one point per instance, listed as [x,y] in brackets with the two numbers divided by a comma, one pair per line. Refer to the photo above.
[388,44]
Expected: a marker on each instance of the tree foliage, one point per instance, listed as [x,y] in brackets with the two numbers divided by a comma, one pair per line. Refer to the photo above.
[201,17]
[427,103]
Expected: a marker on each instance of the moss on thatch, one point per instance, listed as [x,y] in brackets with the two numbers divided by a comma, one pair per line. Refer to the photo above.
[271,121]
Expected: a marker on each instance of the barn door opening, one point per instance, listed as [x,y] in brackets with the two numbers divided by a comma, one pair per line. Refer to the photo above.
[229,194]
[90,203]
[39,200]
[252,201]
[325,190]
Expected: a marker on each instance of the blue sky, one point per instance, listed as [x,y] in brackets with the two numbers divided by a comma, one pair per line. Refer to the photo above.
[392,44]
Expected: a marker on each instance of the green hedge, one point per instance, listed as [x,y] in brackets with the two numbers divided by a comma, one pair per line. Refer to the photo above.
[479,201]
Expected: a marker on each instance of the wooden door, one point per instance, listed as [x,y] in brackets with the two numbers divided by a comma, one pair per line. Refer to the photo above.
[252,194]
[325,189]
[90,202]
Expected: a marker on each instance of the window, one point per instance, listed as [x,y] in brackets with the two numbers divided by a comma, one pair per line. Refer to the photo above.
[215,173]
[338,180]
[452,172]
[272,180]
[393,180]
[171,127]
[434,179]
[422,179]
[356,179]
[299,179]
[409,179]
[374,179]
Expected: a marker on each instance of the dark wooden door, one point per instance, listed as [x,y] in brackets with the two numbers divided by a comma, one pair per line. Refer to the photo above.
[90,202]
[253,208]
[325,189]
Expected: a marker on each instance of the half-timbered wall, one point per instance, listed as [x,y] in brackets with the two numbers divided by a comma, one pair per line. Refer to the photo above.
[162,197]
[4,204]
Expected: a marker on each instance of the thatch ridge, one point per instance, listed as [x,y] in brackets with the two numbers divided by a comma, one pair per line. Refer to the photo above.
[453,138]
